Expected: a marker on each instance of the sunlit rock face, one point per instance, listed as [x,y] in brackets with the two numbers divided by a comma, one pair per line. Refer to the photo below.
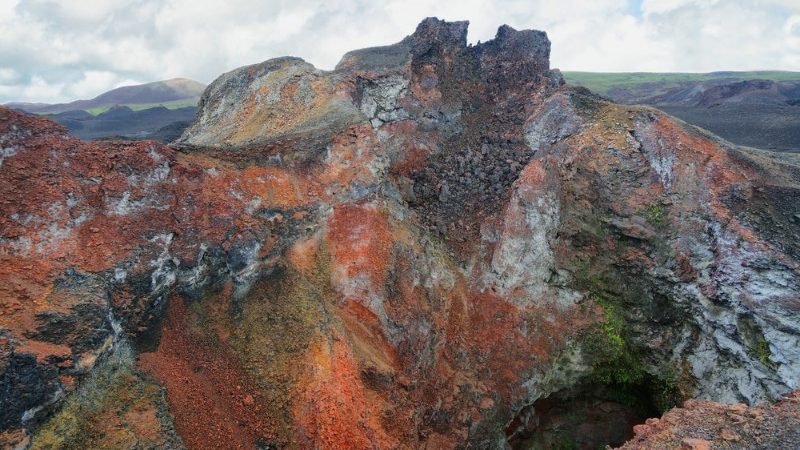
[424,248]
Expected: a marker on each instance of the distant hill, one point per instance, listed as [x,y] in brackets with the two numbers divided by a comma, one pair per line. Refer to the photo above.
[157,123]
[756,109]
[628,87]
[160,110]
[172,94]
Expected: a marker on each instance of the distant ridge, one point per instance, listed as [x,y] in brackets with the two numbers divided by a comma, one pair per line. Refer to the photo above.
[755,109]
[173,93]
[640,84]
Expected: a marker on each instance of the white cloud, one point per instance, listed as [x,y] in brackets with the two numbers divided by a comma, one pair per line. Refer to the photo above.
[7,75]
[36,88]
[87,87]
[666,6]
[66,49]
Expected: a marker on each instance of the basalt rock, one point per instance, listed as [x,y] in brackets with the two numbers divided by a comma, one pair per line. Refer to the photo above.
[434,245]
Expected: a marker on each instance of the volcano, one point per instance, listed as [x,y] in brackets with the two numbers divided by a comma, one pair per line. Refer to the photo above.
[435,245]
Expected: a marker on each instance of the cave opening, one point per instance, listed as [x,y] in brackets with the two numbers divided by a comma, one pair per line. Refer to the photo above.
[588,416]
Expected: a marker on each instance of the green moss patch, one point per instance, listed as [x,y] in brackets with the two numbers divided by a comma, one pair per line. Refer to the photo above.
[619,367]
[753,338]
[615,361]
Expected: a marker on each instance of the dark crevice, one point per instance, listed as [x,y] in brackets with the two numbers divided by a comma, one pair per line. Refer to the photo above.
[587,416]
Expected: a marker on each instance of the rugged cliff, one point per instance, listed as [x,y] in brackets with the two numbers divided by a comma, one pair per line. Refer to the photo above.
[434,245]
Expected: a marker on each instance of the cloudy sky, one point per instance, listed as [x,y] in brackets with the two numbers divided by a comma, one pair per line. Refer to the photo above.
[57,50]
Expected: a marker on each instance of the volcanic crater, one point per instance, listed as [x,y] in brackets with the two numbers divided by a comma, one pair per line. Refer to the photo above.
[435,245]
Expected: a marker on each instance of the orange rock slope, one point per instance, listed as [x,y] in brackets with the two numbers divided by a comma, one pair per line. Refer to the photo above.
[435,245]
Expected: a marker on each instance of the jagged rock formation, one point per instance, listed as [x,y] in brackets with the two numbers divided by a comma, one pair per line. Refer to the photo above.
[434,245]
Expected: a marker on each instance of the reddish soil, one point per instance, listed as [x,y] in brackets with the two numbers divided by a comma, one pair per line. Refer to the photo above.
[214,402]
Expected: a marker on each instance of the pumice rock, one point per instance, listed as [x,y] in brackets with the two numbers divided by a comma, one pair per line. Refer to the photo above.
[435,245]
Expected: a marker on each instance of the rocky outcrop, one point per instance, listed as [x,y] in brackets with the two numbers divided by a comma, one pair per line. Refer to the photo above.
[426,247]
[275,98]
[705,425]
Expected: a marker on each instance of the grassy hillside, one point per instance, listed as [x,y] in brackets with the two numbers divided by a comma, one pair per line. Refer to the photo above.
[175,104]
[603,82]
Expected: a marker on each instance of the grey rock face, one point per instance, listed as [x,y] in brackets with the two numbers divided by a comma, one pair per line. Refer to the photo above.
[739,333]
[261,102]
[379,99]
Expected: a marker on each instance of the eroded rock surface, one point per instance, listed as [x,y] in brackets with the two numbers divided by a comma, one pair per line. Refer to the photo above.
[704,424]
[424,248]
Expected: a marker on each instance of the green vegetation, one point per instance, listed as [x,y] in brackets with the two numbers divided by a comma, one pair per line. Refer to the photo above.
[619,368]
[664,391]
[655,214]
[602,82]
[175,104]
[615,361]
[763,353]
[754,340]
